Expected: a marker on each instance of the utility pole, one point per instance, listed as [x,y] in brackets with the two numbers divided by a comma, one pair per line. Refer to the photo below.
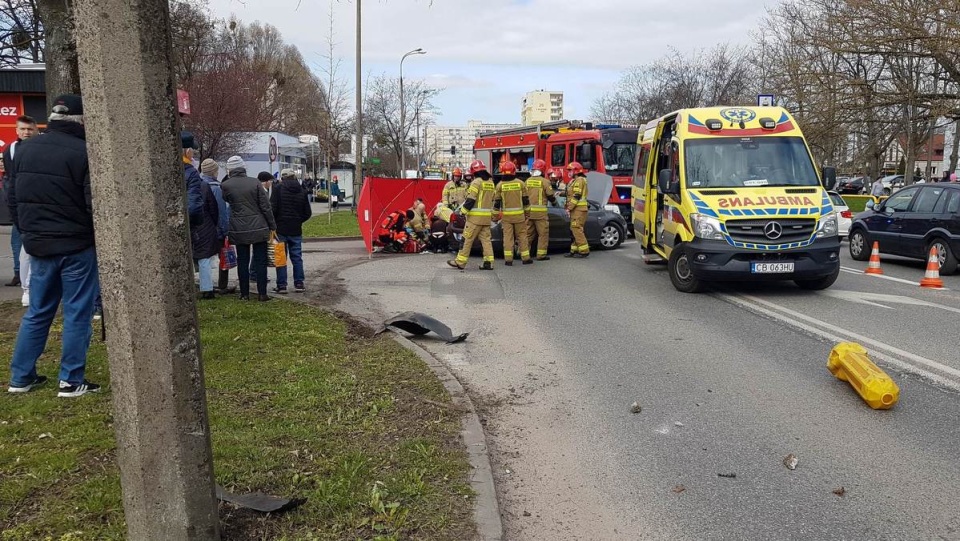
[403,116]
[156,369]
[358,168]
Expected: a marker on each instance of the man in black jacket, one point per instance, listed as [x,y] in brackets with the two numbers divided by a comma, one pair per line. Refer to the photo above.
[51,205]
[290,209]
[26,128]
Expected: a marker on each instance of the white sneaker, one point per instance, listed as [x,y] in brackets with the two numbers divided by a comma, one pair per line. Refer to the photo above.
[25,299]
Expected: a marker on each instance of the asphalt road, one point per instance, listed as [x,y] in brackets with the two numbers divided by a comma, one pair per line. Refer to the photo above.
[730,382]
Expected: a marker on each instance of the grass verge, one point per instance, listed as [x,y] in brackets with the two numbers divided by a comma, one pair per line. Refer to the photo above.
[343,224]
[300,406]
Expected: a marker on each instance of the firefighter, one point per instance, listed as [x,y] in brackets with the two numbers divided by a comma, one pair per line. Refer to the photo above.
[511,199]
[479,210]
[455,191]
[577,207]
[392,233]
[539,191]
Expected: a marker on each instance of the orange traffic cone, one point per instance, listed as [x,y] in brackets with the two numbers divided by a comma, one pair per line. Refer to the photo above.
[874,266]
[931,278]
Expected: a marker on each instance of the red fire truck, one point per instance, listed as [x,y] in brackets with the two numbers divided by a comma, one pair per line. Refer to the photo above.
[605,148]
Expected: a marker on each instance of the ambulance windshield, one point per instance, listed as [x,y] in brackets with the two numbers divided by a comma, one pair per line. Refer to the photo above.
[720,162]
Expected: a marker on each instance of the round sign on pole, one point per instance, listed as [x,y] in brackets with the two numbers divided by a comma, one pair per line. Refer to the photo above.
[273,149]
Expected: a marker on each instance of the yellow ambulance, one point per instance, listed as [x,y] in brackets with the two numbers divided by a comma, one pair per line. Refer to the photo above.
[732,194]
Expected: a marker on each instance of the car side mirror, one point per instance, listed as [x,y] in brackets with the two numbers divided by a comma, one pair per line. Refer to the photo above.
[665,182]
[830,177]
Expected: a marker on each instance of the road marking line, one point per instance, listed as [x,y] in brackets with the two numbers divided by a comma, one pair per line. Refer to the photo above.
[940,373]
[885,277]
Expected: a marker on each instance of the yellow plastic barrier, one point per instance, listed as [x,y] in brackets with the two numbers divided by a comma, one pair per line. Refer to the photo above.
[849,362]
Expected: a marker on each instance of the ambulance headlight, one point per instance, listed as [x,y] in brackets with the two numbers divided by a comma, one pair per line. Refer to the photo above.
[828,226]
[706,227]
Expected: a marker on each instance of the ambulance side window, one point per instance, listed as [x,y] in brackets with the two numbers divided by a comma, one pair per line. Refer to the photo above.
[558,156]
[640,175]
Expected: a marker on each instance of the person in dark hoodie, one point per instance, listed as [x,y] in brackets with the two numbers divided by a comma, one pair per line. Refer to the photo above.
[251,222]
[291,208]
[50,203]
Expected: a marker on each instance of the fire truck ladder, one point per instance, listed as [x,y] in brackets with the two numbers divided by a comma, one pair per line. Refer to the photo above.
[546,127]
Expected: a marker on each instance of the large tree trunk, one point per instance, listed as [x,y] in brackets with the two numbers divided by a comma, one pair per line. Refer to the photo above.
[60,49]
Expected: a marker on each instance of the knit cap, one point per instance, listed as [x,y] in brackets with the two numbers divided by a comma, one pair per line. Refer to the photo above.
[209,167]
[234,163]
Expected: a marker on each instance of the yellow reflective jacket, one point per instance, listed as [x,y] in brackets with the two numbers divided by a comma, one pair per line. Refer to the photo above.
[577,193]
[454,196]
[510,193]
[481,191]
[539,191]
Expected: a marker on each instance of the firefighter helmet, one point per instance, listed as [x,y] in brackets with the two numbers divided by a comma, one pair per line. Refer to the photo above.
[508,168]
[553,173]
[476,166]
[540,165]
[574,168]
[457,172]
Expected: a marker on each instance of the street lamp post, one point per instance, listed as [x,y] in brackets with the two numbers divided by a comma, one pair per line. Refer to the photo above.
[403,114]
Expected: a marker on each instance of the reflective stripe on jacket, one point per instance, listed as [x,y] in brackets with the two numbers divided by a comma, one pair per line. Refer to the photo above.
[539,191]
[577,193]
[482,192]
[511,194]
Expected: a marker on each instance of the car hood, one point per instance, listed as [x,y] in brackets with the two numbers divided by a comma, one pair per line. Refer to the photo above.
[599,184]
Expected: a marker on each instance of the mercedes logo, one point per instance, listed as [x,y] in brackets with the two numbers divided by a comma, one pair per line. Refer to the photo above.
[773,230]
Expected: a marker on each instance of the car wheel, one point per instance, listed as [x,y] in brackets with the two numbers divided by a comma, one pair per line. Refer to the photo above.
[819,283]
[681,272]
[611,236]
[948,260]
[858,246]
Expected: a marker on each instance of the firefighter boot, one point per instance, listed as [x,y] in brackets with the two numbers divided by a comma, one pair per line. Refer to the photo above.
[508,262]
[453,263]
[486,266]
[527,261]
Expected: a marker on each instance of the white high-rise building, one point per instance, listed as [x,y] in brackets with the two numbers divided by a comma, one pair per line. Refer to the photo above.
[541,106]
[452,146]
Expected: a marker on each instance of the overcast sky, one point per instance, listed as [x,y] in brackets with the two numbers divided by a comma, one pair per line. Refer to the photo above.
[486,54]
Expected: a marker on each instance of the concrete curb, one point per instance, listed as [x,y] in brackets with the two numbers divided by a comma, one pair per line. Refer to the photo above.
[486,511]
[330,239]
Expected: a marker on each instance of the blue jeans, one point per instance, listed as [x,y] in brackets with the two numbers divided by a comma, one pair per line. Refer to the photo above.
[15,245]
[206,266]
[73,280]
[295,256]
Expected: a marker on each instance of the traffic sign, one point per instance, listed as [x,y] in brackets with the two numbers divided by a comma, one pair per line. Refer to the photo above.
[765,100]
[375,161]
[272,150]
[423,164]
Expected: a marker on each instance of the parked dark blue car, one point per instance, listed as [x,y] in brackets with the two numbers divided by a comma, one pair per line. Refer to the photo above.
[911,222]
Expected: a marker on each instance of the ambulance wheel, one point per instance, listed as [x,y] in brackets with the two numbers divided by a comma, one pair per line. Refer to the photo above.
[819,283]
[681,272]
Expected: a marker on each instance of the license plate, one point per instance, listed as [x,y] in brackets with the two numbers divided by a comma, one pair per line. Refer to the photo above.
[771,268]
